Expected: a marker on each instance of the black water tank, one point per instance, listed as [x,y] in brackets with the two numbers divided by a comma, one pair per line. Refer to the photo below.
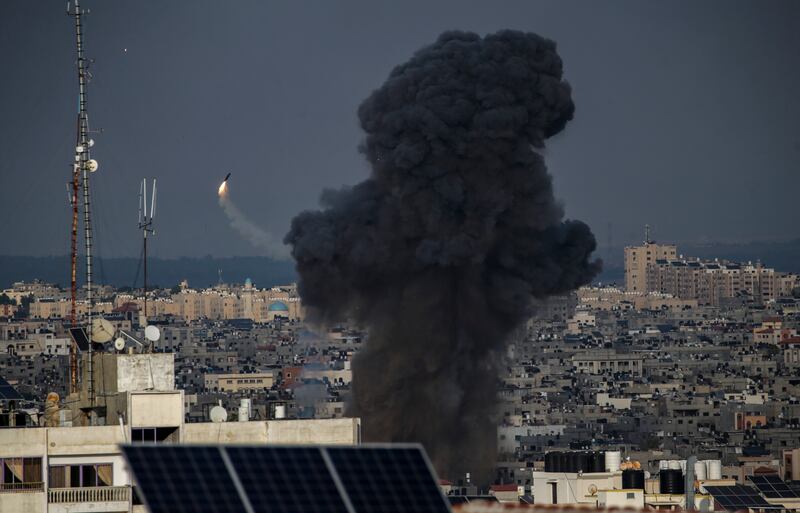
[563,462]
[633,479]
[572,459]
[584,457]
[671,481]
[599,462]
[548,461]
[555,461]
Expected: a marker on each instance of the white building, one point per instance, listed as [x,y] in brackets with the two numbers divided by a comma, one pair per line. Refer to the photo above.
[62,469]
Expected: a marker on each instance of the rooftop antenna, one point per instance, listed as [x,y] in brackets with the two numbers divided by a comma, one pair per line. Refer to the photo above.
[82,167]
[146,225]
[647,234]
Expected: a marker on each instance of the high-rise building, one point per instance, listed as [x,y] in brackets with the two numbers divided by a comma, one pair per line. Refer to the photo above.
[654,267]
[637,258]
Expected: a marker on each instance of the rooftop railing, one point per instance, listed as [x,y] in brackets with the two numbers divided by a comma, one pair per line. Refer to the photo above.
[22,487]
[89,494]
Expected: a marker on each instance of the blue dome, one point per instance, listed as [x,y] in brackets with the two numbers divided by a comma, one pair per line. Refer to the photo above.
[278,306]
[247,282]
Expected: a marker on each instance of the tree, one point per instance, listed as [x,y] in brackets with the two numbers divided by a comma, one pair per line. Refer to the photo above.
[5,300]
[24,308]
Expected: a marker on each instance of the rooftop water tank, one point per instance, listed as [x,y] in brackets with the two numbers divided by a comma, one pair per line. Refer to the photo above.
[700,471]
[714,469]
[613,460]
[671,482]
[633,479]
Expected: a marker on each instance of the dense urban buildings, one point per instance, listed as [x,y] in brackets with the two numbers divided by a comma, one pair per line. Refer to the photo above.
[654,267]
[609,380]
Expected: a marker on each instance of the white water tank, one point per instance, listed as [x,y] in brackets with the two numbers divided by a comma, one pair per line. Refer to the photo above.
[675,464]
[700,471]
[613,460]
[714,469]
[683,465]
[663,464]
[245,407]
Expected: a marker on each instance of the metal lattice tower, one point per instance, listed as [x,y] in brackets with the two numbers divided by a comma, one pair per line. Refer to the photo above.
[82,169]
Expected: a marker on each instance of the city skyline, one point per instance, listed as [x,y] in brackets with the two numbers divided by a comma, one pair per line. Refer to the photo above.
[698,113]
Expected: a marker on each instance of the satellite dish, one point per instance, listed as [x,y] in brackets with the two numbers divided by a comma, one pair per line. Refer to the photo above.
[102,330]
[152,333]
[119,344]
[92,165]
[592,489]
[218,414]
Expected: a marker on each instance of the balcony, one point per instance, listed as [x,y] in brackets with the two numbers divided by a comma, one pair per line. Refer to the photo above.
[21,487]
[120,494]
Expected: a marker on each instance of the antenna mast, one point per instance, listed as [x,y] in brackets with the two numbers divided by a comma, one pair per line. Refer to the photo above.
[72,193]
[83,166]
[146,225]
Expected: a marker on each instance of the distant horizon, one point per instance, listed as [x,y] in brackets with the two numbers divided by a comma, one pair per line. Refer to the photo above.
[601,245]
[202,270]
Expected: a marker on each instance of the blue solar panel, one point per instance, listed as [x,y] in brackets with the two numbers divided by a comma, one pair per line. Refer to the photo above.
[286,479]
[391,479]
[773,487]
[7,392]
[736,497]
[183,479]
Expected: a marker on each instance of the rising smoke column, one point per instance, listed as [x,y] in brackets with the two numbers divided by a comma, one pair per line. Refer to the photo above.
[253,233]
[442,251]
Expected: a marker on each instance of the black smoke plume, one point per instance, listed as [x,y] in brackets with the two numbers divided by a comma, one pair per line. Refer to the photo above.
[442,251]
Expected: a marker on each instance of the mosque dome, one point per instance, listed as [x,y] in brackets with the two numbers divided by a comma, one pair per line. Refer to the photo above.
[278,306]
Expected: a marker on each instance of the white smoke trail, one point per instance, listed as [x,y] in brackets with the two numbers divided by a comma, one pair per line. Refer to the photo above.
[254,234]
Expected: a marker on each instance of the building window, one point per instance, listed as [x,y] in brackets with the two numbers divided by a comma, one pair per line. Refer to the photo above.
[20,474]
[631,495]
[81,476]
[154,434]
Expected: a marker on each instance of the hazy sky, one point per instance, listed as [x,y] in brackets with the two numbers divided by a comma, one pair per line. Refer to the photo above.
[687,113]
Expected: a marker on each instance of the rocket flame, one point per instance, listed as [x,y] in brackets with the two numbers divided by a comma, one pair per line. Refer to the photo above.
[223,187]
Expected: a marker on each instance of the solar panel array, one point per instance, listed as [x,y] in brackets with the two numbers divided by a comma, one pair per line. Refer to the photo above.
[7,392]
[299,479]
[736,497]
[773,487]
[285,479]
[172,478]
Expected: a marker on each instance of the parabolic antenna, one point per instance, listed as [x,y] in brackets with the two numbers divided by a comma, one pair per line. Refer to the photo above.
[119,344]
[152,333]
[102,330]
[218,414]
[92,165]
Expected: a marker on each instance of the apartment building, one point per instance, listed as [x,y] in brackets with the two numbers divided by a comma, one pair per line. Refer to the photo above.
[655,268]
[607,362]
[239,382]
[72,463]
[637,258]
